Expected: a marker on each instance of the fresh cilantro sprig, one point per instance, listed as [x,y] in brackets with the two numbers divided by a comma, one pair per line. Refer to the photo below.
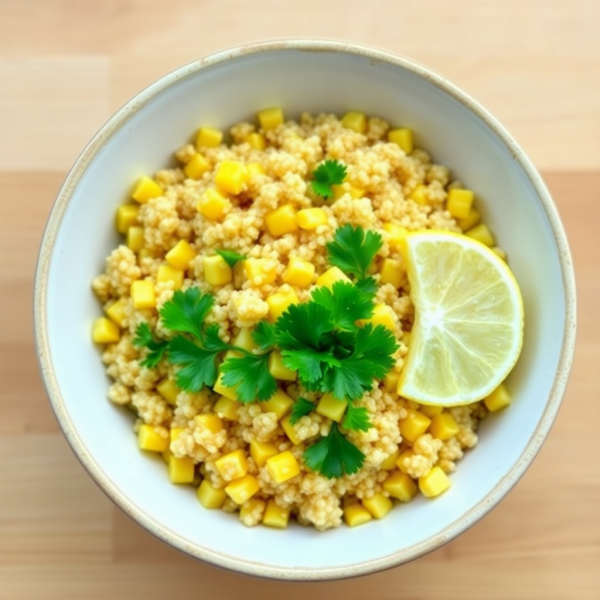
[328,173]
[230,257]
[301,408]
[156,349]
[250,376]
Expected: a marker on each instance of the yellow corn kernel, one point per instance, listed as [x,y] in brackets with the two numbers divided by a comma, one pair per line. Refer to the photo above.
[168,389]
[231,176]
[356,514]
[279,303]
[415,424]
[391,272]
[142,294]
[400,486]
[135,238]
[499,398]
[209,496]
[396,234]
[105,331]
[378,505]
[500,252]
[207,421]
[181,470]
[226,408]
[356,121]
[261,452]
[168,273]
[299,272]
[331,276]
[116,311]
[470,220]
[175,432]
[382,315]
[213,205]
[279,403]
[347,188]
[459,202]
[482,234]
[443,426]
[256,141]
[419,195]
[434,483]
[390,381]
[279,370]
[254,170]
[180,255]
[242,489]
[283,466]
[228,392]
[208,137]
[404,455]
[260,271]
[430,410]
[150,438]
[275,515]
[196,167]
[389,464]
[332,408]
[127,215]
[245,340]
[216,270]
[233,465]
[403,137]
[269,118]
[282,220]
[311,218]
[146,189]
[290,430]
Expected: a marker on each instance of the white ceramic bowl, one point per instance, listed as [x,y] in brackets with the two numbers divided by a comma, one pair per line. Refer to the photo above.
[315,76]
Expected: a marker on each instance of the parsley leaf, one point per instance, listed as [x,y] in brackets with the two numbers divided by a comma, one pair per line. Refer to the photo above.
[334,456]
[353,250]
[300,408]
[250,376]
[199,364]
[346,303]
[144,339]
[265,335]
[328,173]
[230,257]
[357,418]
[303,325]
[376,346]
[185,311]
[312,365]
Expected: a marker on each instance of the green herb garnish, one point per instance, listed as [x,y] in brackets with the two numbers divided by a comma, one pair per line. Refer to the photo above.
[301,408]
[144,339]
[230,257]
[328,173]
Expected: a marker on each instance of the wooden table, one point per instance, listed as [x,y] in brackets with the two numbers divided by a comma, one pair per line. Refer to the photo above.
[66,66]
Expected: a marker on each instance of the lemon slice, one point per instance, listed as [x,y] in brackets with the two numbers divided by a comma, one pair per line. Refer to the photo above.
[468,328]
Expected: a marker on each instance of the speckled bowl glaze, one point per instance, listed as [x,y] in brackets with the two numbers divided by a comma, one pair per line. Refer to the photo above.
[314,76]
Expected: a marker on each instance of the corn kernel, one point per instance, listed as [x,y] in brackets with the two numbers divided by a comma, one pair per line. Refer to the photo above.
[283,466]
[299,272]
[116,311]
[275,515]
[260,271]
[400,486]
[181,470]
[347,188]
[470,220]
[175,432]
[245,340]
[356,121]
[443,426]
[196,167]
[280,302]
[216,270]
[356,514]
[311,218]
[390,381]
[256,141]
[255,170]
[419,195]
[482,234]
[434,483]
[105,331]
[500,252]
[403,137]
[226,408]
[282,220]
[391,272]
[430,410]
[208,137]
[290,430]
[499,398]
[180,255]
[459,202]
[127,215]
[261,452]
[211,497]
[414,425]
[396,234]
[231,176]
[332,408]
[228,392]
[382,315]
[403,456]
[207,421]
[233,465]
[168,273]
[142,294]
[331,276]
[269,118]
[213,205]
[135,238]
[279,403]
[168,389]
[279,370]
[378,505]
[146,189]
[389,464]
[242,489]
[150,438]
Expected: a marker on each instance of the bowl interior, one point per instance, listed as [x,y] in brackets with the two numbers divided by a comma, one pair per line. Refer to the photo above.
[221,91]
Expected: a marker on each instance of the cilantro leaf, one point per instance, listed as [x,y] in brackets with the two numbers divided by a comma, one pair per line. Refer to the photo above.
[351,379]
[367,286]
[357,418]
[185,311]
[346,303]
[144,339]
[212,341]
[230,257]
[301,407]
[250,376]
[265,335]
[334,456]
[303,325]
[311,365]
[353,250]
[199,364]
[328,173]
[376,345]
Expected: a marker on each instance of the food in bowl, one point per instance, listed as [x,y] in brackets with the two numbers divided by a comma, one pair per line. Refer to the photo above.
[259,317]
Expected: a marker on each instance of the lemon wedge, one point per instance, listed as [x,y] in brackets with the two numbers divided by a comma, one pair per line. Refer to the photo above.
[468,328]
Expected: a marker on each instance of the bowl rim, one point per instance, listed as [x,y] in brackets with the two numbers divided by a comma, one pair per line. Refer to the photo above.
[118,120]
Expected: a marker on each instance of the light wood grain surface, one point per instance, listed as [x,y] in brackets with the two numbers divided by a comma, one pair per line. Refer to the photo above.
[67,65]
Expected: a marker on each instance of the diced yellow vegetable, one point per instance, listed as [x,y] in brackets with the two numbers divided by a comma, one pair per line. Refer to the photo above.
[299,272]
[414,425]
[404,455]
[389,464]
[390,381]
[356,121]
[470,220]
[105,331]
[154,439]
[245,340]
[208,137]
[331,276]
[356,514]
[168,389]
[459,202]
[232,465]
[207,421]
[332,408]
[282,220]
[382,315]
[391,272]
[279,370]
[216,270]
[231,176]
[279,403]
[166,456]
[257,141]
[283,466]
[146,189]
[196,167]
[499,398]
[261,452]
[242,489]
[180,255]
[275,515]
[260,270]
[400,486]
[116,311]
[311,218]
[127,215]
[175,432]
[142,294]
[500,252]
[419,195]
[145,253]
[168,273]
[181,470]
[269,118]
[430,410]
[255,170]
[434,483]
[482,234]
[250,509]
[290,430]
[211,497]
[280,302]
[378,505]
[228,392]
[226,408]
[347,188]
[396,234]
[443,426]
[213,205]
[403,137]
